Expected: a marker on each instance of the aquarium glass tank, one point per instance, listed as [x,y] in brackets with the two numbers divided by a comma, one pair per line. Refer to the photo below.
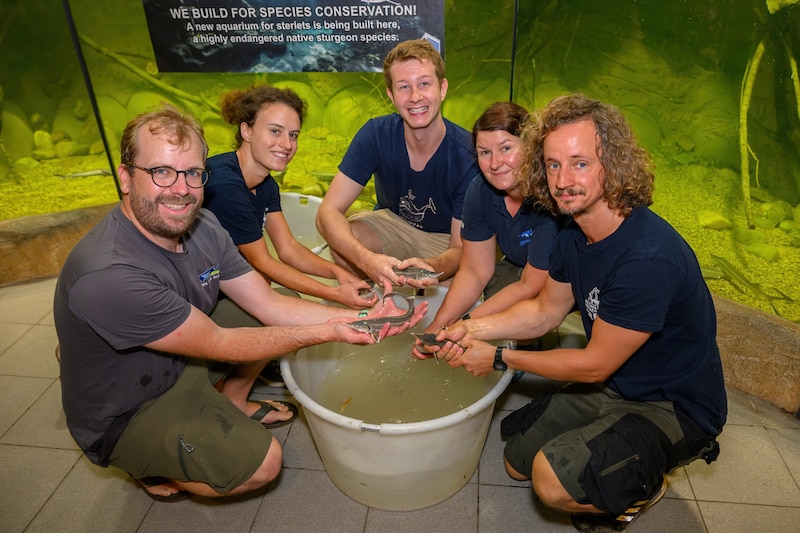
[711,88]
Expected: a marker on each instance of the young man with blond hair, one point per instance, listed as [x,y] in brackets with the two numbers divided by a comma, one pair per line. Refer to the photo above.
[422,164]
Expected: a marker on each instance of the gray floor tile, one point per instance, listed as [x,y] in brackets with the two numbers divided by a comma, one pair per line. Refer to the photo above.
[741,518]
[44,424]
[773,417]
[11,333]
[17,394]
[28,476]
[679,486]
[741,410]
[200,515]
[492,470]
[457,514]
[749,470]
[516,509]
[670,516]
[306,501]
[300,450]
[94,499]
[788,443]
[33,354]
[27,303]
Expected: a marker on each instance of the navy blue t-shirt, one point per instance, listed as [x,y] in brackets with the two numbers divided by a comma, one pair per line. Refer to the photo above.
[525,237]
[645,277]
[429,199]
[240,212]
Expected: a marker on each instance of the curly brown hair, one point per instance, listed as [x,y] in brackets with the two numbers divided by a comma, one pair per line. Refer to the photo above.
[243,105]
[627,166]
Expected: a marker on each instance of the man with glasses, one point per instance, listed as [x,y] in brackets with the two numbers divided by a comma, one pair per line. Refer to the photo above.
[142,364]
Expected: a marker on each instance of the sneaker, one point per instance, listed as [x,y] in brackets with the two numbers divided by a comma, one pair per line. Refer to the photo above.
[603,523]
[271,374]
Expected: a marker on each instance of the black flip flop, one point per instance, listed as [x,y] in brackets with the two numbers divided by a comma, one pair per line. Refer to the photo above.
[152,481]
[266,408]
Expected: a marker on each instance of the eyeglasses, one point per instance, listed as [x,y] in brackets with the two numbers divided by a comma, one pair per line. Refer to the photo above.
[167,176]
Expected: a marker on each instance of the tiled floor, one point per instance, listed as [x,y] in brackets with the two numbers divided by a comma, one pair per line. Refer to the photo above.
[47,485]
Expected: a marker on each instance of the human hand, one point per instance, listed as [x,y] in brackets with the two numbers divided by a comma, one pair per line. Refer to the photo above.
[343,276]
[477,357]
[420,274]
[428,344]
[356,295]
[380,269]
[388,308]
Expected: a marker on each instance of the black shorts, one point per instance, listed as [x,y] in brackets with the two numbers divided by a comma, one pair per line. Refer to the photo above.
[605,450]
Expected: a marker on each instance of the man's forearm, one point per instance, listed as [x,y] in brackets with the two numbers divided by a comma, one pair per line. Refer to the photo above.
[524,320]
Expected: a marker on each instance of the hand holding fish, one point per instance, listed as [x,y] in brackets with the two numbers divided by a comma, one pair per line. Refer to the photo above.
[380,269]
[477,357]
[356,295]
[386,319]
[427,345]
[416,273]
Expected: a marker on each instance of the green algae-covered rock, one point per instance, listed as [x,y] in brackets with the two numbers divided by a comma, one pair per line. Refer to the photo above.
[712,220]
[790,226]
[765,251]
[17,134]
[42,140]
[146,101]
[748,236]
[777,212]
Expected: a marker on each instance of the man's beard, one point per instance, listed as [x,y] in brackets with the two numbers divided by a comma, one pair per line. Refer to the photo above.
[569,208]
[146,212]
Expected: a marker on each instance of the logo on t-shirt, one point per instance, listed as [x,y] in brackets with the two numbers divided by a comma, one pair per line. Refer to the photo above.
[209,274]
[593,303]
[525,237]
[412,213]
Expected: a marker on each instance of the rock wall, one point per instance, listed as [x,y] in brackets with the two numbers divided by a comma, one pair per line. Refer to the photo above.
[760,353]
[37,246]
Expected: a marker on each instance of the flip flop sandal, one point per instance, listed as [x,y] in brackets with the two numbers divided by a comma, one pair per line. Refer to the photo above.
[266,408]
[152,481]
[603,523]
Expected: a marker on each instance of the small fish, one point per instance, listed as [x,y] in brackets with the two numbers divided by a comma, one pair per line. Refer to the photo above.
[373,326]
[416,273]
[345,404]
[430,340]
[369,293]
[98,172]
[740,283]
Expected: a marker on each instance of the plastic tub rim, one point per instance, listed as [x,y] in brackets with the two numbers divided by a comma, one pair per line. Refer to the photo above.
[423,426]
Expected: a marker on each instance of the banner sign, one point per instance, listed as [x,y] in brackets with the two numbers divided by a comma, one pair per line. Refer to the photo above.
[286,36]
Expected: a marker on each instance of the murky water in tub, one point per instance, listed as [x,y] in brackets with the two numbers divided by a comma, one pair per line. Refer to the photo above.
[383,383]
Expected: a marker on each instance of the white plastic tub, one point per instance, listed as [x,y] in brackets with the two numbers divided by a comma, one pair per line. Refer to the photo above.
[388,466]
[300,212]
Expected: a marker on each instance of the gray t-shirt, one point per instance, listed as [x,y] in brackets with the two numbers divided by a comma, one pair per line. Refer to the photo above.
[116,292]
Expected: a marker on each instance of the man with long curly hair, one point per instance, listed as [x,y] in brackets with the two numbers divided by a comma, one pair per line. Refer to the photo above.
[646,394]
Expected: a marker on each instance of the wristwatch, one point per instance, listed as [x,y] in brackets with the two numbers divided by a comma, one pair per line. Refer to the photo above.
[498,360]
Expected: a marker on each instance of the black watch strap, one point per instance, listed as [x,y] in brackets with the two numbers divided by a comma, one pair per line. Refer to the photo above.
[499,364]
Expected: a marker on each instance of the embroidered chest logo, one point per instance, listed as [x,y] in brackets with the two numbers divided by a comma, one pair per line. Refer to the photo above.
[209,274]
[410,211]
[525,237]
[593,303]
